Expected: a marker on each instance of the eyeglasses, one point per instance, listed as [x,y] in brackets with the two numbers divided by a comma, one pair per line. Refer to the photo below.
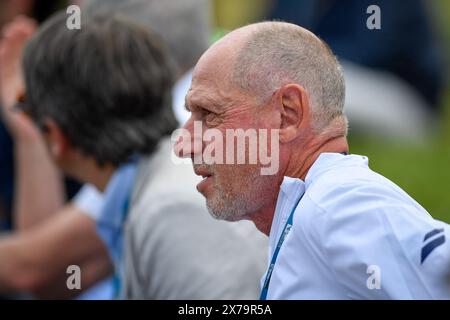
[21,105]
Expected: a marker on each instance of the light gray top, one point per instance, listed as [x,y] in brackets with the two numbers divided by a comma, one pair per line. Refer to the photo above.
[175,250]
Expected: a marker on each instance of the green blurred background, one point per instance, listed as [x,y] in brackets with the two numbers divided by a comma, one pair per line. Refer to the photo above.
[423,170]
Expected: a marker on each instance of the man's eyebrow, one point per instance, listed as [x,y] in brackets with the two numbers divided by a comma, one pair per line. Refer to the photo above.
[211,106]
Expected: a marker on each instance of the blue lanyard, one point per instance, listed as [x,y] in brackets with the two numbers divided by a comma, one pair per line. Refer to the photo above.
[285,232]
[117,277]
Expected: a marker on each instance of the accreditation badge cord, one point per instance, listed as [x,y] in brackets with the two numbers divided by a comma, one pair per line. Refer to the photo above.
[118,237]
[117,276]
[286,229]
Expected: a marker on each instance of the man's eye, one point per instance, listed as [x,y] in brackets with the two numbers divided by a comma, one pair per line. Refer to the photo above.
[210,118]
[206,113]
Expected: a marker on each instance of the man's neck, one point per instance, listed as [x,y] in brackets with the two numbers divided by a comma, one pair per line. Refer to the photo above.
[298,167]
[102,178]
[89,171]
[263,218]
[300,163]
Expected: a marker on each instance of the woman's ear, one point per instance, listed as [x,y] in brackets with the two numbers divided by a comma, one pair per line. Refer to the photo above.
[295,111]
[57,142]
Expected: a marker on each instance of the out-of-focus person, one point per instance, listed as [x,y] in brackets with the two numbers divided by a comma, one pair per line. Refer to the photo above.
[172,289]
[22,270]
[35,272]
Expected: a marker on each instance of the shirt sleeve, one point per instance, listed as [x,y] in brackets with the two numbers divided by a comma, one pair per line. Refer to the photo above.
[90,201]
[373,239]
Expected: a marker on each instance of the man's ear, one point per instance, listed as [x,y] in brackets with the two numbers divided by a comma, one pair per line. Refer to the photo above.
[57,141]
[295,111]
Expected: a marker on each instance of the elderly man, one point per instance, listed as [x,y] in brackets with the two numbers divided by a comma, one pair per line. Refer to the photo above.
[337,230]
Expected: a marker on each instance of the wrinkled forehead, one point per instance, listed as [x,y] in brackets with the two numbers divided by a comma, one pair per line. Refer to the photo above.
[212,76]
[210,89]
[214,71]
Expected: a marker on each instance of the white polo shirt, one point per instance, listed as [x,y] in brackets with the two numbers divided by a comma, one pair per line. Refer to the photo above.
[356,235]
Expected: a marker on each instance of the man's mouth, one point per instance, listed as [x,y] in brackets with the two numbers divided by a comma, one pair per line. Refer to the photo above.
[202,172]
[207,179]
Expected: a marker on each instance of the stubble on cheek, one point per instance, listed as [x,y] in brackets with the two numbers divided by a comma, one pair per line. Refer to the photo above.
[236,193]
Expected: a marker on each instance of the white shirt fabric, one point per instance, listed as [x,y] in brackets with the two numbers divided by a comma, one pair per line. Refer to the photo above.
[350,222]
[90,201]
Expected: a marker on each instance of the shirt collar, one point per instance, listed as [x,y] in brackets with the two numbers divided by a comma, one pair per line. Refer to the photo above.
[115,208]
[117,192]
[291,189]
[329,160]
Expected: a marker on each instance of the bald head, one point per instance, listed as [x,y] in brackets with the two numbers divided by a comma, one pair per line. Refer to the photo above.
[268,55]
[264,79]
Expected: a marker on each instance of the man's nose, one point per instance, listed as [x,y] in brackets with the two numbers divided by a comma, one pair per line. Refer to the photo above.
[188,143]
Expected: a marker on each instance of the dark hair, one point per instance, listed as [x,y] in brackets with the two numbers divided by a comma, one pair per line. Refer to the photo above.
[108,86]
